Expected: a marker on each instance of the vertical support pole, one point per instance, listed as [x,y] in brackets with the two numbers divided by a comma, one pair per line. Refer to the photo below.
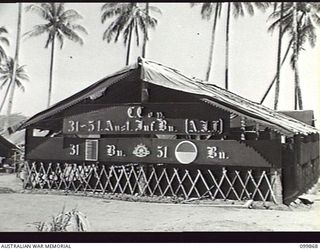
[297,166]
[276,185]
[257,128]
[243,128]
[15,161]
[144,168]
[26,169]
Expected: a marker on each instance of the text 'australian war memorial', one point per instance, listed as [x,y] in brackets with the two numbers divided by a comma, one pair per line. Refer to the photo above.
[150,131]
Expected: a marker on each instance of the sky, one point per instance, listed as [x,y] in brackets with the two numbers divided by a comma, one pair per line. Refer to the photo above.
[181,40]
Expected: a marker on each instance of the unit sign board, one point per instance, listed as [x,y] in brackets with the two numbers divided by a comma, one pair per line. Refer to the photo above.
[149,119]
[149,150]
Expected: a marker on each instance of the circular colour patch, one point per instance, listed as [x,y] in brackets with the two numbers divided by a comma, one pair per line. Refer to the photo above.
[186,152]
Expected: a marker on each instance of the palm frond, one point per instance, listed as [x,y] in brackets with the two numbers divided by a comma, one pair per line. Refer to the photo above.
[155,9]
[19,85]
[249,7]
[78,27]
[5,41]
[70,15]
[263,6]
[110,10]
[127,31]
[3,30]
[60,38]
[193,4]
[237,9]
[37,30]
[4,83]
[129,17]
[207,10]
[136,32]
[59,9]
[50,38]
[71,35]
[60,23]
[3,77]
[41,10]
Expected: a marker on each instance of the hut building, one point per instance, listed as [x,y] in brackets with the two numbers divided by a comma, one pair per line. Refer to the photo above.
[149,130]
[7,152]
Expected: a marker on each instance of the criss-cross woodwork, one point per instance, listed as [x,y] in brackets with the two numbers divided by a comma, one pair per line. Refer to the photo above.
[154,180]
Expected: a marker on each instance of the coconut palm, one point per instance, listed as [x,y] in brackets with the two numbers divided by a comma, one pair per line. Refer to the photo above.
[129,18]
[3,40]
[207,10]
[6,75]
[299,23]
[145,38]
[277,88]
[59,24]
[238,9]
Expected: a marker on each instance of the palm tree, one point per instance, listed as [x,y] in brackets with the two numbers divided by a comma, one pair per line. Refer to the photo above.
[299,22]
[59,25]
[6,75]
[238,9]
[145,38]
[295,31]
[129,18]
[206,12]
[277,89]
[14,71]
[3,40]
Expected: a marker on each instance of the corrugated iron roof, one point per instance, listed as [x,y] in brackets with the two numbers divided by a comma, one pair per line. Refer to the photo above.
[167,77]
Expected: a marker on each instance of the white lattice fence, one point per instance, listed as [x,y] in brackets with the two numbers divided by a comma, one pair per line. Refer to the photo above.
[153,180]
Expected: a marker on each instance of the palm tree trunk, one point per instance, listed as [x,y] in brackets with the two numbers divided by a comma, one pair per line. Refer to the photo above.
[5,97]
[212,42]
[275,77]
[282,62]
[297,89]
[15,63]
[144,48]
[227,46]
[51,70]
[129,45]
[277,90]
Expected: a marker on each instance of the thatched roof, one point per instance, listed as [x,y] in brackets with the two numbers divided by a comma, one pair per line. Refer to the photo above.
[6,147]
[165,77]
[17,137]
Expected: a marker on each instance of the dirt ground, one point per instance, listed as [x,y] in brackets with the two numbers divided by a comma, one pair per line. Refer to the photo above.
[19,211]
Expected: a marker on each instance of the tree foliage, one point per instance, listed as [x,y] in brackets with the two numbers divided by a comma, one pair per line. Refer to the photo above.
[5,41]
[128,18]
[59,23]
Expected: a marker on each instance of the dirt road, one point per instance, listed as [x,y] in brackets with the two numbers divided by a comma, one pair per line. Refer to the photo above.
[18,212]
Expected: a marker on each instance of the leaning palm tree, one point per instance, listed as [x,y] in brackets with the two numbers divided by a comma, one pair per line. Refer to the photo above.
[207,10]
[3,40]
[283,23]
[129,18]
[6,75]
[58,26]
[299,23]
[238,9]
[14,70]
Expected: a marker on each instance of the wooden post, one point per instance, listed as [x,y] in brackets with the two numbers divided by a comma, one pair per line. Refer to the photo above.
[297,166]
[276,185]
[243,128]
[144,168]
